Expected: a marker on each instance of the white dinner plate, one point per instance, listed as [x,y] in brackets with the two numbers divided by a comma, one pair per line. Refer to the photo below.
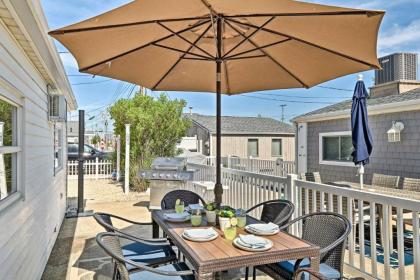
[240,246]
[187,218]
[199,239]
[250,230]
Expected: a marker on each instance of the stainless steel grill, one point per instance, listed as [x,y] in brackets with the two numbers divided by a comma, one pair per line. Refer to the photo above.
[166,174]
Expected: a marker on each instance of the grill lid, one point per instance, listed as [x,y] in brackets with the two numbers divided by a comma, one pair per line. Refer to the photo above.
[173,163]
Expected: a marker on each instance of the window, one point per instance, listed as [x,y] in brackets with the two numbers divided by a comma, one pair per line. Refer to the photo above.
[335,148]
[58,148]
[276,148]
[252,147]
[9,149]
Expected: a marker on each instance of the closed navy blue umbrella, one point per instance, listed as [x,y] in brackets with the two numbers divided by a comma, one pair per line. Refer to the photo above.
[361,134]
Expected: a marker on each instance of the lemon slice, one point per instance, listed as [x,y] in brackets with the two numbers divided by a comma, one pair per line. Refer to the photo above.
[178,202]
[234,222]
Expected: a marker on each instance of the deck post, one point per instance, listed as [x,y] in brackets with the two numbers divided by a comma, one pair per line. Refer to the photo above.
[80,191]
[118,157]
[292,195]
[127,159]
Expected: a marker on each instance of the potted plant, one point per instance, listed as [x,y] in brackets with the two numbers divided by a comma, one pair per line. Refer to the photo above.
[211,213]
[225,215]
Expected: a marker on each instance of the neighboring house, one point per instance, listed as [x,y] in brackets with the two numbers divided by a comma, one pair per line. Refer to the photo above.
[324,136]
[33,86]
[244,137]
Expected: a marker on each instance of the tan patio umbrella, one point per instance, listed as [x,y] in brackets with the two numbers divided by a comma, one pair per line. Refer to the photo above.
[224,46]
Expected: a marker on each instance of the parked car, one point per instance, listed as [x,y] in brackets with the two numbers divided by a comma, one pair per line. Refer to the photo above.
[89,152]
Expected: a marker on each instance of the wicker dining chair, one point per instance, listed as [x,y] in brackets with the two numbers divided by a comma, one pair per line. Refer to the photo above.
[311,177]
[411,184]
[188,197]
[110,243]
[327,230]
[386,181]
[150,252]
[277,211]
[304,273]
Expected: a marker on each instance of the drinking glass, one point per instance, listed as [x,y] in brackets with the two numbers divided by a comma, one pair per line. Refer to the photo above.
[179,208]
[241,217]
[196,218]
[230,233]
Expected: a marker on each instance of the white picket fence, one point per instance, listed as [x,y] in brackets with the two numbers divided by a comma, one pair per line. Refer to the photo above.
[255,165]
[389,229]
[93,169]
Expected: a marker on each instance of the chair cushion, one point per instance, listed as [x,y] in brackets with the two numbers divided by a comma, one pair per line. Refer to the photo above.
[148,254]
[154,276]
[325,269]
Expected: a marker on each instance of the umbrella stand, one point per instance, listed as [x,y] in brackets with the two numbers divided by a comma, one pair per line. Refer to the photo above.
[218,188]
[361,172]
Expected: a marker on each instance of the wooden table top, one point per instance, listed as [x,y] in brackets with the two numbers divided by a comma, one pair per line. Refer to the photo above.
[377,189]
[220,254]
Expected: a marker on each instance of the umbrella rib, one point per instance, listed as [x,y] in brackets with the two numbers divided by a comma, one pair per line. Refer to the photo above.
[225,62]
[245,57]
[268,55]
[256,49]
[333,13]
[308,43]
[180,58]
[249,36]
[142,46]
[61,32]
[186,40]
[181,51]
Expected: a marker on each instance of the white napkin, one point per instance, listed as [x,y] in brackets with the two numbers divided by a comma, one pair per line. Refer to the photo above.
[176,216]
[200,233]
[270,227]
[252,241]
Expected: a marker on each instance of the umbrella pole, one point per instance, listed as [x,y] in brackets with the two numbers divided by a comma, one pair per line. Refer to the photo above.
[218,189]
[361,172]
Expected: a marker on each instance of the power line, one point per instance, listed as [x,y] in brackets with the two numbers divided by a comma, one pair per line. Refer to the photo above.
[287,101]
[301,97]
[334,88]
[90,83]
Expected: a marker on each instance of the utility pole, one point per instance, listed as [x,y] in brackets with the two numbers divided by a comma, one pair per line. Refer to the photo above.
[282,111]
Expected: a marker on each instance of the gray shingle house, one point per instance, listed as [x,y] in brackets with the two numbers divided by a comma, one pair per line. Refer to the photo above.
[324,135]
[256,137]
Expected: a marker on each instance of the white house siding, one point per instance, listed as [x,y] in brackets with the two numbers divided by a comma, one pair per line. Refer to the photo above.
[237,145]
[29,226]
[400,158]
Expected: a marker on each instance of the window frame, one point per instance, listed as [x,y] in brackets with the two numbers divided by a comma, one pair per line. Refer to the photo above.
[59,127]
[281,147]
[321,149]
[258,148]
[12,96]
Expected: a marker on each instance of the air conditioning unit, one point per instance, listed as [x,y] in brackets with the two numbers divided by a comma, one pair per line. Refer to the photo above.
[57,108]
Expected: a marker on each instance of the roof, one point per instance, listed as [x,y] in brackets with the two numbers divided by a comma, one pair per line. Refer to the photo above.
[371,102]
[243,125]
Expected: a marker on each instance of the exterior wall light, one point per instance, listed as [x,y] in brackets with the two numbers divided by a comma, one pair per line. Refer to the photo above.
[394,133]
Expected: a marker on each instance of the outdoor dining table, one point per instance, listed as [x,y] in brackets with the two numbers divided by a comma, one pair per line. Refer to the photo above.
[210,257]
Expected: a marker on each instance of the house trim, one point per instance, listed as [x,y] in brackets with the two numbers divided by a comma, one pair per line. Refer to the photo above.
[410,105]
[332,162]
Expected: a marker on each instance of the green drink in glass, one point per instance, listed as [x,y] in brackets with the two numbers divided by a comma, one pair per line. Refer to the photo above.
[230,232]
[179,206]
[196,218]
[241,217]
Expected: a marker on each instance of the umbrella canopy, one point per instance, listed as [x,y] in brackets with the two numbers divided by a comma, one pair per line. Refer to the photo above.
[221,46]
[360,131]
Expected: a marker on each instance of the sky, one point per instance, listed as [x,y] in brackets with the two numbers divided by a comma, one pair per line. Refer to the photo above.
[399,32]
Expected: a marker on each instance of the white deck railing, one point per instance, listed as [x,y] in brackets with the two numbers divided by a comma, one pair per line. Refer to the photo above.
[93,169]
[388,229]
[261,166]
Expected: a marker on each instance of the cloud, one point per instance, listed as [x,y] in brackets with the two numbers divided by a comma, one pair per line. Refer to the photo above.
[69,62]
[398,36]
